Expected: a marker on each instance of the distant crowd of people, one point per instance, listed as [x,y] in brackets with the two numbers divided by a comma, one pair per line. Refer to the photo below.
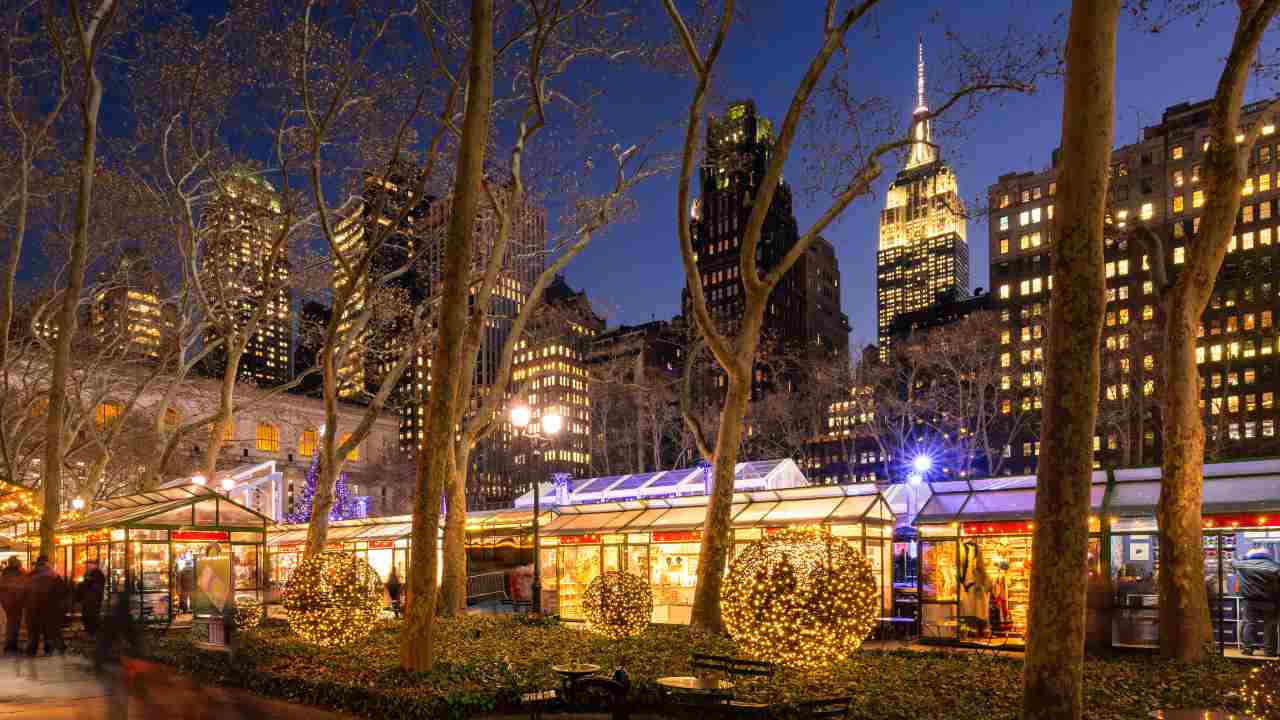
[42,598]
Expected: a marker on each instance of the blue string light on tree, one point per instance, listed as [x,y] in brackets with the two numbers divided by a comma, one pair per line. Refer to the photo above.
[800,598]
[345,506]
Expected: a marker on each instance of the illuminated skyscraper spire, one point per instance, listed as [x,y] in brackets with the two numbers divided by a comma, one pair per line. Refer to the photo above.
[922,150]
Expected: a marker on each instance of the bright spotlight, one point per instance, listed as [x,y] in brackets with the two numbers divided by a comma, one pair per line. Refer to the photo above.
[915,478]
[922,463]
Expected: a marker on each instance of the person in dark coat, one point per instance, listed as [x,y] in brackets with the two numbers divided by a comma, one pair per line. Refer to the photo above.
[13,586]
[90,596]
[393,592]
[46,608]
[1259,578]
[186,585]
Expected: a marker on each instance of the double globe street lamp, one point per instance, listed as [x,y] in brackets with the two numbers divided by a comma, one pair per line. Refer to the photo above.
[550,425]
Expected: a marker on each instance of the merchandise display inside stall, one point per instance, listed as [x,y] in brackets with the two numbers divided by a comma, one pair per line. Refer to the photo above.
[496,541]
[975,557]
[660,539]
[975,553]
[156,544]
[1241,511]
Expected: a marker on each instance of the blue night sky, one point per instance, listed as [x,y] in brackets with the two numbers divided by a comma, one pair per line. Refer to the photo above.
[633,274]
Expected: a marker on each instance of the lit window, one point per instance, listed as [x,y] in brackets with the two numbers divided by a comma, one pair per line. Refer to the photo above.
[1004,292]
[354,455]
[1176,152]
[267,438]
[1178,203]
[1179,255]
[307,443]
[1197,198]
[1148,211]
[107,413]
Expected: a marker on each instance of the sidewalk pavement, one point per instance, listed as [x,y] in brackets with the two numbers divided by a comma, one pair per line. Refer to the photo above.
[66,688]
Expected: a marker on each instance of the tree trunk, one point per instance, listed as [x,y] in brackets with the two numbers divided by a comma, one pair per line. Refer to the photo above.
[322,500]
[1054,666]
[226,412]
[453,584]
[78,257]
[1184,604]
[715,530]
[435,456]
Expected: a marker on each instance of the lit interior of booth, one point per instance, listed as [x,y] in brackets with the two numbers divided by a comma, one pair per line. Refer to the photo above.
[659,539]
[149,544]
[975,556]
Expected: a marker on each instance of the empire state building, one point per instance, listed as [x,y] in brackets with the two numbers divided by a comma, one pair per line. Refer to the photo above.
[922,253]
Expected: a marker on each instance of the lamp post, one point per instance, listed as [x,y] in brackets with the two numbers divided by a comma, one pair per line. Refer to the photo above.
[551,424]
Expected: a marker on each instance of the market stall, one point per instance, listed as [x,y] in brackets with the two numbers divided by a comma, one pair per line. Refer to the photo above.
[150,544]
[975,552]
[660,538]
[498,540]
[1241,511]
[975,557]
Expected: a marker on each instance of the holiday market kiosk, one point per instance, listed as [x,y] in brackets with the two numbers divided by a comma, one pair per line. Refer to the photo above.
[148,542]
[497,540]
[976,550]
[657,533]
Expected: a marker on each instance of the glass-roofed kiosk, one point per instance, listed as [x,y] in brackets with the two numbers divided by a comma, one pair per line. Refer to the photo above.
[148,544]
[976,549]
[651,525]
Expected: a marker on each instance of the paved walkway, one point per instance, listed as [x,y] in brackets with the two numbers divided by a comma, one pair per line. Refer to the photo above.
[66,688]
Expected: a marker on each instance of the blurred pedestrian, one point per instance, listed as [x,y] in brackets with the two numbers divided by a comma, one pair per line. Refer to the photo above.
[46,608]
[393,592]
[12,597]
[89,594]
[186,584]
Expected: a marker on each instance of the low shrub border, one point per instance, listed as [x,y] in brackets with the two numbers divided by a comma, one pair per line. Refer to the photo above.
[487,661]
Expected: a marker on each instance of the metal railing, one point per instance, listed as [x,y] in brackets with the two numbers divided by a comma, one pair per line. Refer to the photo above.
[487,585]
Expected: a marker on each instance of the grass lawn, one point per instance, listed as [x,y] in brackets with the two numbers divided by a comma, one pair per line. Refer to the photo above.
[485,659]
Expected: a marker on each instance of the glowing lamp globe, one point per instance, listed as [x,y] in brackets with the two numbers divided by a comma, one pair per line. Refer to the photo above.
[618,604]
[800,598]
[228,484]
[333,598]
[198,480]
[551,424]
[922,463]
[520,416]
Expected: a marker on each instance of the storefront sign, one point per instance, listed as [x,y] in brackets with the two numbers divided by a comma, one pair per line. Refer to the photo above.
[333,546]
[96,537]
[580,540]
[681,536]
[199,535]
[380,544]
[1238,520]
[1008,527]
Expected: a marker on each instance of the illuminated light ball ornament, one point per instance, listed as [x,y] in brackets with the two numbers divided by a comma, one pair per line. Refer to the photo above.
[800,598]
[333,598]
[618,604]
[1261,692]
[248,613]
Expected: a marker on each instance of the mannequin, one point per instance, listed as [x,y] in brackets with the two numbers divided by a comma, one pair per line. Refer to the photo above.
[975,598]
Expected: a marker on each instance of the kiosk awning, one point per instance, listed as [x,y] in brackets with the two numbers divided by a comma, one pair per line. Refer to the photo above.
[186,506]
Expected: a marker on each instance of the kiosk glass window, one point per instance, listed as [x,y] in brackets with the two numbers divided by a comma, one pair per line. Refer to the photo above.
[550,580]
[673,575]
[245,568]
[579,565]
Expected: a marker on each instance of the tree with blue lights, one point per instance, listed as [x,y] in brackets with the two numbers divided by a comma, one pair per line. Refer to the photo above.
[345,506]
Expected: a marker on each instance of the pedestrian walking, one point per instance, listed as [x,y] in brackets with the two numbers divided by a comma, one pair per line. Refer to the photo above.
[46,608]
[13,586]
[1259,583]
[186,585]
[89,595]
[393,592]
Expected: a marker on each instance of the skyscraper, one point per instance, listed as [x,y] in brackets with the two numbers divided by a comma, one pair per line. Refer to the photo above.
[244,222]
[922,252]
[127,310]
[1155,182]
[804,309]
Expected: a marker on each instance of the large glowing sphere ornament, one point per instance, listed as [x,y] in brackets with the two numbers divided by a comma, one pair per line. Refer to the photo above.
[800,598]
[248,613]
[618,604]
[333,598]
[1261,692]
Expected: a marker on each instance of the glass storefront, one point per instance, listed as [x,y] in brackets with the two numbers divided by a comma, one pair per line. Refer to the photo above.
[148,544]
[661,542]
[975,544]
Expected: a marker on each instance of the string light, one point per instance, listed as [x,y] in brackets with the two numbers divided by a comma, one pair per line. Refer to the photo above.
[333,598]
[800,598]
[248,613]
[618,604]
[1261,692]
